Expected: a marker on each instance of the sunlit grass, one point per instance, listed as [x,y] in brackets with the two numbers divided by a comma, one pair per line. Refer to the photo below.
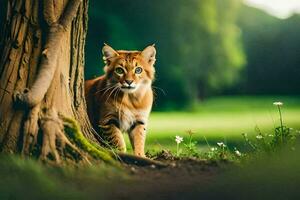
[224,118]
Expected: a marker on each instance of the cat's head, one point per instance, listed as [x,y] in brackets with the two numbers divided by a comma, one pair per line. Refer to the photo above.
[129,70]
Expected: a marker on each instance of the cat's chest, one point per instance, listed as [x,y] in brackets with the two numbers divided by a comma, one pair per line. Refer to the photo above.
[128,117]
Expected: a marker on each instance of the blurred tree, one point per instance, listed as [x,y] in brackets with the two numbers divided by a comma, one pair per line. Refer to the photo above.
[272,46]
[199,49]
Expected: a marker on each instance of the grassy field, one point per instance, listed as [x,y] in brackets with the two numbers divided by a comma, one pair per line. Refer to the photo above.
[223,118]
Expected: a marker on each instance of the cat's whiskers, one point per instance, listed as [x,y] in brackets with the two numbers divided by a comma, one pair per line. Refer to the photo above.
[103,89]
[106,89]
[154,87]
[154,92]
[115,88]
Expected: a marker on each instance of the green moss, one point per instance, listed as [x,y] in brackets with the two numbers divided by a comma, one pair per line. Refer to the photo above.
[73,131]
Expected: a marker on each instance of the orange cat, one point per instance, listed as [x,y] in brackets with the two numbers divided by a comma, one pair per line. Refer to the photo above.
[121,100]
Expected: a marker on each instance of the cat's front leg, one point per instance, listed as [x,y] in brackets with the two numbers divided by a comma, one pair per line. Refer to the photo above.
[137,138]
[113,135]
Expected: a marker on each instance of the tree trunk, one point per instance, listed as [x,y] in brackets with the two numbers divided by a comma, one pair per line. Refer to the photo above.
[42,75]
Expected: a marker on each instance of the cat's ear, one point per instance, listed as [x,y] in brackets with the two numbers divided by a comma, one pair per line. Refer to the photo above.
[149,54]
[108,53]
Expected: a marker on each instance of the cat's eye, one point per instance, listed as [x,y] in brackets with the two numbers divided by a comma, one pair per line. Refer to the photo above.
[138,70]
[119,70]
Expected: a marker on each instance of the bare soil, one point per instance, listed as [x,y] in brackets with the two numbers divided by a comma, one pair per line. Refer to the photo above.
[184,178]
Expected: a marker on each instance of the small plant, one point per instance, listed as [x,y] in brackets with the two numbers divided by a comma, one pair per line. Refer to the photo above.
[237,152]
[191,145]
[282,136]
[218,152]
[223,149]
[178,140]
[248,141]
[212,154]
[222,152]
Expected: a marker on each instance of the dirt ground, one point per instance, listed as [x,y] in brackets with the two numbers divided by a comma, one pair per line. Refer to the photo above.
[184,178]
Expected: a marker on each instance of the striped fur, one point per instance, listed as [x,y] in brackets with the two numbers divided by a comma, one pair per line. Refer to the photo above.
[121,102]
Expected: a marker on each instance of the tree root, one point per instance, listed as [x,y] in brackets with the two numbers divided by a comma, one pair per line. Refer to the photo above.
[53,133]
[54,143]
[31,128]
[139,161]
[62,136]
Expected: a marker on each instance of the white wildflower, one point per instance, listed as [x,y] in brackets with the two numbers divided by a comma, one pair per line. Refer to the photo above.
[221,144]
[178,139]
[237,152]
[213,149]
[259,137]
[278,103]
[271,135]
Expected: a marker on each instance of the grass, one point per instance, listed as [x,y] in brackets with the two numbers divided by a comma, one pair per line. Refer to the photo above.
[28,179]
[268,177]
[223,118]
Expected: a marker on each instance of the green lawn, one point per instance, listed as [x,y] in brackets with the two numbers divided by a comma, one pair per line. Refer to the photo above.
[222,118]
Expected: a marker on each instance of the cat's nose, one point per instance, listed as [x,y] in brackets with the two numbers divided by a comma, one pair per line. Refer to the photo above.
[128,81]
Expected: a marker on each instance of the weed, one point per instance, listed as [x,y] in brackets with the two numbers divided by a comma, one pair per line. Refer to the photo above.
[191,145]
[283,136]
[222,152]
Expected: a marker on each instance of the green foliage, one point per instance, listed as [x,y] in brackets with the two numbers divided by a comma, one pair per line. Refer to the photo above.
[191,145]
[272,53]
[222,152]
[191,150]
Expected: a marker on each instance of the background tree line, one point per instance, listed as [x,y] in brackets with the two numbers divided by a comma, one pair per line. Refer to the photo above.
[205,48]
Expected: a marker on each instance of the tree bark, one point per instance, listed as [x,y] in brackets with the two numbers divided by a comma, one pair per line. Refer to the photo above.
[42,75]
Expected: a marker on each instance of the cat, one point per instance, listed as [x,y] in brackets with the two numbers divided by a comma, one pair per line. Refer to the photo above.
[121,100]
